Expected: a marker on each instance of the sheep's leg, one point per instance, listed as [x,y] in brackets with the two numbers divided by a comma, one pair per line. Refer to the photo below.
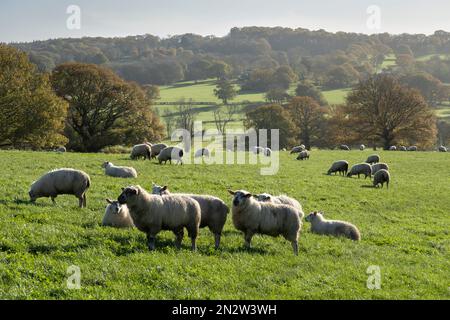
[151,240]
[84,200]
[295,247]
[194,243]
[53,200]
[217,240]
[248,238]
[179,234]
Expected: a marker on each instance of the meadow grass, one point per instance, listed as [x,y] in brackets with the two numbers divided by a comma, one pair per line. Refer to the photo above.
[405,231]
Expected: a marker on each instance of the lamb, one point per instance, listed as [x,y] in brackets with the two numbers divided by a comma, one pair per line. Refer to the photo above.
[412,148]
[213,211]
[298,149]
[141,150]
[257,150]
[362,147]
[61,181]
[340,166]
[303,155]
[171,153]
[202,152]
[251,216]
[392,148]
[381,177]
[117,215]
[152,213]
[378,166]
[361,168]
[281,199]
[344,147]
[402,148]
[119,172]
[442,149]
[320,225]
[157,148]
[374,158]
[267,152]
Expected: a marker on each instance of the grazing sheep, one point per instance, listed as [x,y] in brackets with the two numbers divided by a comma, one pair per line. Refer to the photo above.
[303,155]
[361,168]
[344,147]
[258,150]
[281,199]
[152,213]
[141,150]
[251,216]
[340,166]
[335,228]
[362,147]
[392,148]
[61,181]
[202,152]
[117,215]
[442,149]
[374,158]
[381,177]
[412,148]
[157,148]
[171,153]
[213,211]
[402,148]
[298,149]
[61,150]
[378,166]
[119,172]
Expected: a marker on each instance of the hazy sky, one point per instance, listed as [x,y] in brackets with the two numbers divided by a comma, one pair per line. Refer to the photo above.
[26,20]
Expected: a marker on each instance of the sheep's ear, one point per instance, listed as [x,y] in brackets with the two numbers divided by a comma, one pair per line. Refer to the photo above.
[109,201]
[164,188]
[248,195]
[231,192]
[122,189]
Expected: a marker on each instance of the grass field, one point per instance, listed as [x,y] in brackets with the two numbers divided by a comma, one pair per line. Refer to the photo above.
[404,232]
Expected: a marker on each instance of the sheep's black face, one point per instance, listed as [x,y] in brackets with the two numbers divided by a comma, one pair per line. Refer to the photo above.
[240,197]
[32,197]
[127,194]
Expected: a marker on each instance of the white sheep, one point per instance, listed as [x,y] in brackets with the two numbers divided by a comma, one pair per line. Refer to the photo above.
[213,210]
[320,225]
[442,149]
[153,213]
[281,199]
[402,148]
[171,153]
[362,147]
[378,166]
[303,155]
[141,150]
[61,181]
[298,149]
[61,150]
[251,217]
[392,148]
[361,168]
[119,172]
[382,176]
[202,152]
[374,158]
[340,166]
[117,215]
[412,148]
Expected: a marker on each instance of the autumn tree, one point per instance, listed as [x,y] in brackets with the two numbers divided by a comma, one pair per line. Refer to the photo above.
[307,89]
[431,88]
[276,95]
[382,110]
[309,120]
[104,109]
[225,91]
[152,92]
[31,115]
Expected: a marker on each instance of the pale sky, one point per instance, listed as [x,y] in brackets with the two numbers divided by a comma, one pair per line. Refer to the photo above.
[26,20]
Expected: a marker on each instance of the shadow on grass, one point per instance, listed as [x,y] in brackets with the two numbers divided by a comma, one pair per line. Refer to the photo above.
[369,186]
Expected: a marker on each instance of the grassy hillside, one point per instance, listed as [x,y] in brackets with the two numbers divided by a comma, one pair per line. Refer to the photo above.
[404,232]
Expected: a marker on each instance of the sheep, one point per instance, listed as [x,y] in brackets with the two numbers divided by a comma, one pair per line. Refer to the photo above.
[361,168]
[320,225]
[362,147]
[119,172]
[202,152]
[284,149]
[374,158]
[297,149]
[303,155]
[378,166]
[213,211]
[281,199]
[157,148]
[381,177]
[340,166]
[169,154]
[153,213]
[251,216]
[392,148]
[61,181]
[442,149]
[258,150]
[141,150]
[61,150]
[267,152]
[402,148]
[344,147]
[117,215]
[412,148]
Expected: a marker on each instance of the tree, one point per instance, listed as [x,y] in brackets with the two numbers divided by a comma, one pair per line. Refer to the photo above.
[225,91]
[341,76]
[307,89]
[271,117]
[219,69]
[309,119]
[276,95]
[443,132]
[104,109]
[152,92]
[431,88]
[223,115]
[186,116]
[382,110]
[31,115]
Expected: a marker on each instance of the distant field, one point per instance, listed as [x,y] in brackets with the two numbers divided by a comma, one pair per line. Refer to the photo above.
[404,232]
[430,56]
[389,61]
